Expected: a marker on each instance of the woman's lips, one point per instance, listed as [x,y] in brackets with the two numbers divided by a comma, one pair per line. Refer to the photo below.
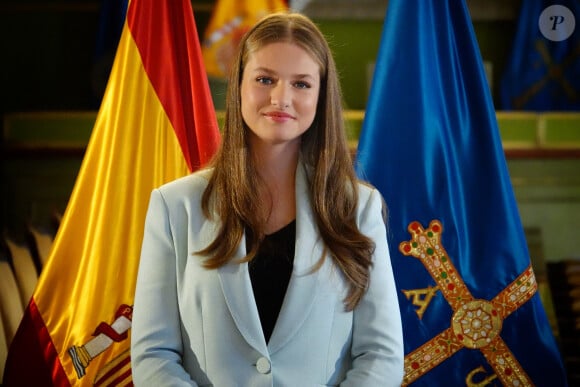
[279,116]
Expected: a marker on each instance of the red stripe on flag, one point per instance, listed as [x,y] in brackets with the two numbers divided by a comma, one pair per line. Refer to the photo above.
[32,358]
[103,378]
[124,377]
[172,59]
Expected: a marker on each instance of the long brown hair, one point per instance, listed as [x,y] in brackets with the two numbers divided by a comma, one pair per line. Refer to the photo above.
[232,192]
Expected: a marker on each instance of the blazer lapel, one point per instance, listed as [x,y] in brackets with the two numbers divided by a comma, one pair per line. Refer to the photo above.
[301,291]
[239,296]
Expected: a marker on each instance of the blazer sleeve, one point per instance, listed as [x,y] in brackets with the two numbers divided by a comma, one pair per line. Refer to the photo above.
[377,346]
[156,345]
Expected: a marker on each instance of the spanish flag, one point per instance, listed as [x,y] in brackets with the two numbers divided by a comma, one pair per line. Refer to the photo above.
[229,21]
[156,123]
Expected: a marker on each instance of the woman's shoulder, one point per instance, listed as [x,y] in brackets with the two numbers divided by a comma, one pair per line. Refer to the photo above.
[366,190]
[191,184]
[370,199]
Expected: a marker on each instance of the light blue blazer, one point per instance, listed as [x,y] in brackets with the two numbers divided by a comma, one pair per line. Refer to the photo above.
[200,327]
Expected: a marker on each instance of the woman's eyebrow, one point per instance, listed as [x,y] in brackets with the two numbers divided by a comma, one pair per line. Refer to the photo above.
[272,72]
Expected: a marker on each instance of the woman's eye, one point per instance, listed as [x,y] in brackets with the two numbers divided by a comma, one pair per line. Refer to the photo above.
[264,80]
[302,85]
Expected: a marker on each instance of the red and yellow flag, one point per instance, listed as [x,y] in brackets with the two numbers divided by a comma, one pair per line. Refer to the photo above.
[229,21]
[156,123]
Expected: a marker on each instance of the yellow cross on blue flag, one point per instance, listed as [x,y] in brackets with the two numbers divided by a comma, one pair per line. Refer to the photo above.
[430,143]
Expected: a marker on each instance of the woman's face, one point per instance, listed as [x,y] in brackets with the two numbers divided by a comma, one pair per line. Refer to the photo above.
[279,93]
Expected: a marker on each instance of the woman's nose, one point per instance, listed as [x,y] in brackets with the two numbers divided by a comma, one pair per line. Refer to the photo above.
[280,96]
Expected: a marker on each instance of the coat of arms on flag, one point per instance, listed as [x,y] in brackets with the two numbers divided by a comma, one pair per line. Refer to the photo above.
[229,21]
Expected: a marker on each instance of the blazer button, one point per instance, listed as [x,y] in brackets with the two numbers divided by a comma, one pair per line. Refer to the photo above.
[263,365]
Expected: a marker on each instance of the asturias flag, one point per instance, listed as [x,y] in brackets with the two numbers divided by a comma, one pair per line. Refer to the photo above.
[430,143]
[156,123]
[543,71]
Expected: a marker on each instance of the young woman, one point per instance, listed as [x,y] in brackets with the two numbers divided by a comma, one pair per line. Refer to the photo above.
[271,267]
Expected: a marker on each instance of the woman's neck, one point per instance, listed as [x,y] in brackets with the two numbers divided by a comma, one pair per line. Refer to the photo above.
[277,169]
[276,164]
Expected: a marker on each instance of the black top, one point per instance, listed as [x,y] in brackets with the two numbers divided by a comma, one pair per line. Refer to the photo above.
[270,272]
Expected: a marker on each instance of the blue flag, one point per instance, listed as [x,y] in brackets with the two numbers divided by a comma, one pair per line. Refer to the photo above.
[543,72]
[430,143]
